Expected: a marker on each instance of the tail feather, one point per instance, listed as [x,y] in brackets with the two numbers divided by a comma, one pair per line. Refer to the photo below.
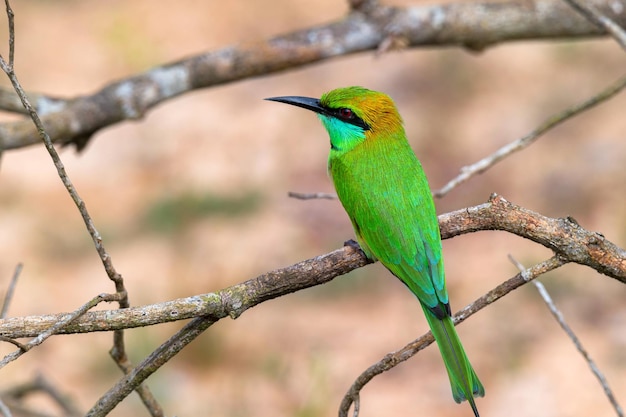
[463,380]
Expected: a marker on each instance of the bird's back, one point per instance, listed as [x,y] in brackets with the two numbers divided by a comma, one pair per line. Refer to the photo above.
[384,190]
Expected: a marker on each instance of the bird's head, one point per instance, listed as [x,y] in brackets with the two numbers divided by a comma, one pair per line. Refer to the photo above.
[351,115]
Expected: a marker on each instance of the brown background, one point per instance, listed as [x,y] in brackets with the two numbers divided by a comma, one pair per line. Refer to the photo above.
[193,198]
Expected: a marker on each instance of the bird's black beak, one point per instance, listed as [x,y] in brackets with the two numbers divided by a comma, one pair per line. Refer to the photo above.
[308,103]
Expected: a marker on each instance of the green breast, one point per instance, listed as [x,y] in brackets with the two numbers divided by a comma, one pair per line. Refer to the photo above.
[383,189]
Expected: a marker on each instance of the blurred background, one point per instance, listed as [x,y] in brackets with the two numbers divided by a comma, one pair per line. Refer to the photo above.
[193,198]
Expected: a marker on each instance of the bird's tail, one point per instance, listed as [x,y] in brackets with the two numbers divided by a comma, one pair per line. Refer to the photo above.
[465,384]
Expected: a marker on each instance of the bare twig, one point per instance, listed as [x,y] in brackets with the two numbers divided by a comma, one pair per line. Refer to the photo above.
[393,359]
[484,164]
[65,320]
[312,196]
[14,396]
[570,333]
[601,20]
[118,353]
[4,410]
[561,320]
[151,364]
[11,19]
[43,135]
[10,290]
[14,342]
[473,25]
[121,294]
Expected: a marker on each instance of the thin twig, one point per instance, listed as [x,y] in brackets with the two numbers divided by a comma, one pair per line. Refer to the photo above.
[600,20]
[118,353]
[14,342]
[15,397]
[312,196]
[393,359]
[67,319]
[4,410]
[570,333]
[43,384]
[10,291]
[69,186]
[11,18]
[568,330]
[484,164]
[148,366]
[105,258]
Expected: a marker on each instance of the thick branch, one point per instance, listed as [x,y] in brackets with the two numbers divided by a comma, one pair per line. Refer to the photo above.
[472,25]
[564,236]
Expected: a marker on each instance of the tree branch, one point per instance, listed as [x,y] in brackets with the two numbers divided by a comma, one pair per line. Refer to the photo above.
[600,20]
[569,241]
[471,25]
[570,333]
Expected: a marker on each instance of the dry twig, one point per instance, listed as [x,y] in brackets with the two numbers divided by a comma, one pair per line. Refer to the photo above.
[121,294]
[484,164]
[63,321]
[570,333]
[312,196]
[10,290]
[601,20]
[14,397]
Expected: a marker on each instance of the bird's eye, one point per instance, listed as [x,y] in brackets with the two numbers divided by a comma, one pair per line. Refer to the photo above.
[345,113]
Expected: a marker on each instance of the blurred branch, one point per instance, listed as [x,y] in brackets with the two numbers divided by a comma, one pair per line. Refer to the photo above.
[569,241]
[484,164]
[10,290]
[14,398]
[600,20]
[312,196]
[395,358]
[570,333]
[43,104]
[4,410]
[368,27]
[568,330]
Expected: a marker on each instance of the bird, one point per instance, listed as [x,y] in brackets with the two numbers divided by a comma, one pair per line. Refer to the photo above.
[383,188]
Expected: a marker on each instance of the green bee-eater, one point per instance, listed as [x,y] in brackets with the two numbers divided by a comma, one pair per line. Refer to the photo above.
[384,190]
